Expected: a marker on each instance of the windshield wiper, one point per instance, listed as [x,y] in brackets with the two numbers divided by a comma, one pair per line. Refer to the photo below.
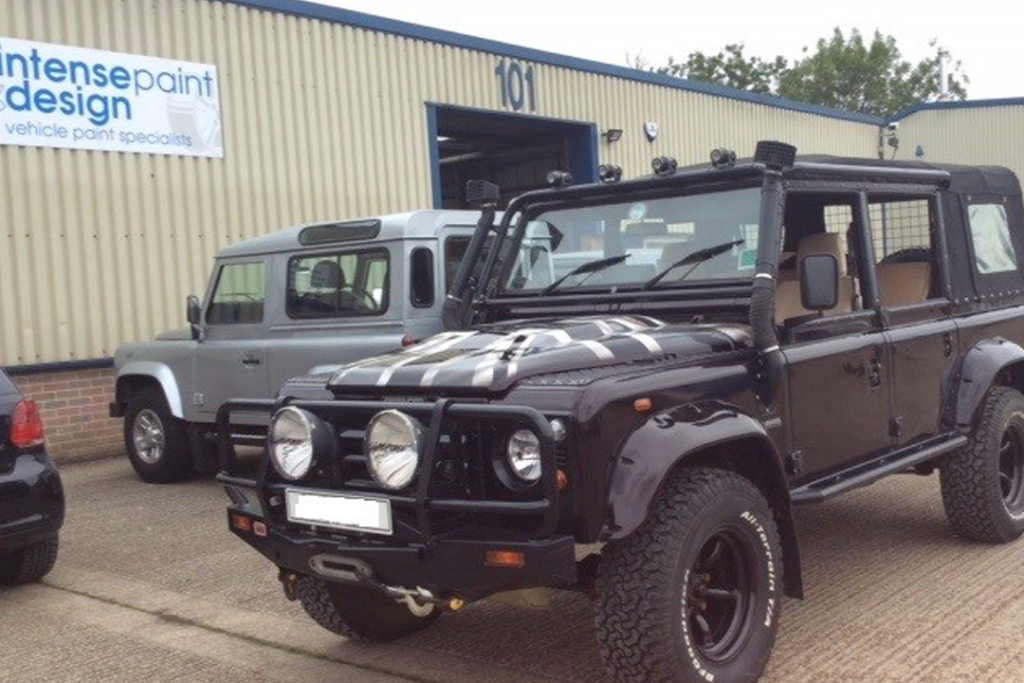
[591,267]
[696,258]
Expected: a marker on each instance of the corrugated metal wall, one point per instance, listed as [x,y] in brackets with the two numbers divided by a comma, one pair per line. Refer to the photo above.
[969,135]
[320,121]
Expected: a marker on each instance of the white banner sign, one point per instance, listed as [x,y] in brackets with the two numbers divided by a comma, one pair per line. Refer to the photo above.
[63,96]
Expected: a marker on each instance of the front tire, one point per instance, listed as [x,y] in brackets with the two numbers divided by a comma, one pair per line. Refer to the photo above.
[983,482]
[28,564]
[358,613]
[694,595]
[156,441]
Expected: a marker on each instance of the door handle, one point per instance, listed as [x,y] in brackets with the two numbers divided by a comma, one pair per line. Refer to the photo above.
[250,360]
[875,372]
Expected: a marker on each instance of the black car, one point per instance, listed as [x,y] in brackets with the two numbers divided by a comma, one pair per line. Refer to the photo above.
[31,494]
[661,369]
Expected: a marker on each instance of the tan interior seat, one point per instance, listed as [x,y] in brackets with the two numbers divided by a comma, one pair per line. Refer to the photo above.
[787,291]
[900,284]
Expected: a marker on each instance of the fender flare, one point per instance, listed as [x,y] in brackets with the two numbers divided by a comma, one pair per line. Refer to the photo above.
[670,437]
[979,369]
[163,376]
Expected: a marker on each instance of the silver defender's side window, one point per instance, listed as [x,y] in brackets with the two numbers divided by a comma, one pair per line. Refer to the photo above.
[239,295]
[337,285]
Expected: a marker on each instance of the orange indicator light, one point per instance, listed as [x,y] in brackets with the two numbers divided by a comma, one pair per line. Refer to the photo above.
[563,480]
[505,558]
[241,522]
[642,405]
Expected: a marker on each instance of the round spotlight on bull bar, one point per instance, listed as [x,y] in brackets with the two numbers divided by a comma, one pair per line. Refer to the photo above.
[296,439]
[393,444]
[524,455]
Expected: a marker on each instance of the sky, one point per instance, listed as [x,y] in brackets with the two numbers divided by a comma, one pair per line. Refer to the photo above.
[986,36]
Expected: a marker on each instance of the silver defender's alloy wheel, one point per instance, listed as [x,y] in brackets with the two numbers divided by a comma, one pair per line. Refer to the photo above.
[149,437]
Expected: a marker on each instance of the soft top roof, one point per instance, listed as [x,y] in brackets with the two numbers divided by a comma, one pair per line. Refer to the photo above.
[963,179]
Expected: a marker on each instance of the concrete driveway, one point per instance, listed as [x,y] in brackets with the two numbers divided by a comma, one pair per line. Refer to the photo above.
[150,586]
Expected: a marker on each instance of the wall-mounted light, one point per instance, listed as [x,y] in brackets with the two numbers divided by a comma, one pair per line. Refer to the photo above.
[919,152]
[612,135]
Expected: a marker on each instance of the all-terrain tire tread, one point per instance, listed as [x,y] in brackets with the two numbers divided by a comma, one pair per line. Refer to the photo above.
[627,629]
[316,600]
[965,489]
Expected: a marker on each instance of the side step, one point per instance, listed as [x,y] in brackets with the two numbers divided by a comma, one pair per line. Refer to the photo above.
[870,472]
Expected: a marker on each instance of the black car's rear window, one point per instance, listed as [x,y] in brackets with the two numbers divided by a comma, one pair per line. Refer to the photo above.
[6,385]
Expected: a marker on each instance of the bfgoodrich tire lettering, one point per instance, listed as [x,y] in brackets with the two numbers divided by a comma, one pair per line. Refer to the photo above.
[648,603]
[358,613]
[983,482]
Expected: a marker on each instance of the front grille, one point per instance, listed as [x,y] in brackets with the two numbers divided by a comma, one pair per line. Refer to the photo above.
[464,469]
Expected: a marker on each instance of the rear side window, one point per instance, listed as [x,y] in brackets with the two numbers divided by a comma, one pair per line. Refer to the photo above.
[422,278]
[990,236]
[239,295]
[338,285]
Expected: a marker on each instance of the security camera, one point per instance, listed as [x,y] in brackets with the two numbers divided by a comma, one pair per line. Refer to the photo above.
[893,126]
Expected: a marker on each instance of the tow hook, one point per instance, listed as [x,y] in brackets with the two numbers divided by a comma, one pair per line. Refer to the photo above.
[419,600]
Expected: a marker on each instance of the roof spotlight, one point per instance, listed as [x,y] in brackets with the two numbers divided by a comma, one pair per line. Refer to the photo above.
[664,165]
[558,178]
[773,154]
[723,157]
[609,173]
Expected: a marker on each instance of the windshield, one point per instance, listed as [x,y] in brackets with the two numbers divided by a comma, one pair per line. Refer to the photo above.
[580,245]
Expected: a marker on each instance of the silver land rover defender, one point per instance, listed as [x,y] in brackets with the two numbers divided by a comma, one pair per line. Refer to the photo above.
[275,307]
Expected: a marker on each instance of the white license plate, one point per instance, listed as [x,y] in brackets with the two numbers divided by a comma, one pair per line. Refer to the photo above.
[339,511]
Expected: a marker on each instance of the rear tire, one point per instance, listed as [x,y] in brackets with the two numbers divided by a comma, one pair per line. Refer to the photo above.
[983,482]
[694,595]
[28,564]
[156,441]
[358,613]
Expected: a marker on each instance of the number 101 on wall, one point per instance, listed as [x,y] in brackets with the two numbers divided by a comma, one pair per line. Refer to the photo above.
[517,86]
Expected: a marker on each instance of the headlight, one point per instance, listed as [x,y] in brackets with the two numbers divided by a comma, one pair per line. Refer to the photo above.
[392,447]
[524,455]
[295,439]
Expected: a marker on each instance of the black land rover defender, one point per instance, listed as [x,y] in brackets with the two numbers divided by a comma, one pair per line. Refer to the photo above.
[662,368]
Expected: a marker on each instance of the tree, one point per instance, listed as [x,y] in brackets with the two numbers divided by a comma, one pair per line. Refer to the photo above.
[729,67]
[841,72]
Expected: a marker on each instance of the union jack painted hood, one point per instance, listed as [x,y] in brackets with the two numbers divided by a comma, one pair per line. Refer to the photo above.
[494,357]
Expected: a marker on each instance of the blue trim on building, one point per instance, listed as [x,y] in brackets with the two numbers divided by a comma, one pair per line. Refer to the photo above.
[961,104]
[435,161]
[435,35]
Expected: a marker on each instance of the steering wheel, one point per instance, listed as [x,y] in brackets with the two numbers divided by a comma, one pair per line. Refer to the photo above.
[367,297]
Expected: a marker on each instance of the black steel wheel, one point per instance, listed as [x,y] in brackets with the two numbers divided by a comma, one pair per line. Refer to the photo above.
[983,482]
[1011,466]
[720,594]
[693,595]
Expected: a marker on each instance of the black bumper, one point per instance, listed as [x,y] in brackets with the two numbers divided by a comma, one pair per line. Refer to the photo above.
[31,501]
[462,563]
[446,567]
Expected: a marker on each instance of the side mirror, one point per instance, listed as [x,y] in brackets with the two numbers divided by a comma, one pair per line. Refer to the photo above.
[194,313]
[819,282]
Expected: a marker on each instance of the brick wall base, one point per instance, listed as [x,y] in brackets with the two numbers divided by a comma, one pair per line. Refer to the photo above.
[74,409]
